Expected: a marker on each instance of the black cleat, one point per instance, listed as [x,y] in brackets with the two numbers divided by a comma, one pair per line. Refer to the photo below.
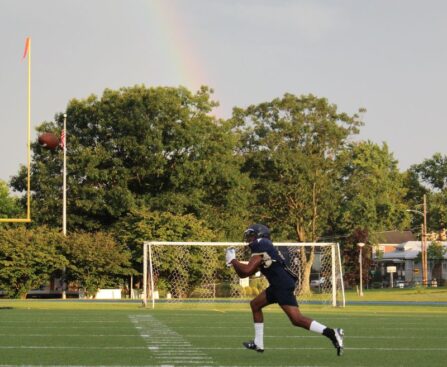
[338,341]
[253,346]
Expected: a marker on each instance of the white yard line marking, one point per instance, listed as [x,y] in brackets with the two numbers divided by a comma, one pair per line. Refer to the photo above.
[167,346]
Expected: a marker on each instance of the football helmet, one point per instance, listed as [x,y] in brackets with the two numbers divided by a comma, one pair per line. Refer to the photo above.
[257,231]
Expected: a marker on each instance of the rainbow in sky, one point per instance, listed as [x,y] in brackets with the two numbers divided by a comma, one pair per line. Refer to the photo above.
[177,45]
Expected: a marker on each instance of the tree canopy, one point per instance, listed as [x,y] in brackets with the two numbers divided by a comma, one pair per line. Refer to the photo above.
[96,260]
[292,150]
[429,178]
[372,190]
[157,148]
[28,258]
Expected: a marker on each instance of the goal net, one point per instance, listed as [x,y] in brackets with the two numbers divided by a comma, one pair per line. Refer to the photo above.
[184,271]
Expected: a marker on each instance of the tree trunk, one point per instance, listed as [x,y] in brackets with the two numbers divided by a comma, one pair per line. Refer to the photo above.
[307,261]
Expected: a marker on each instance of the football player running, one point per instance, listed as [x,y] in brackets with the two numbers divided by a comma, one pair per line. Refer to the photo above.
[266,258]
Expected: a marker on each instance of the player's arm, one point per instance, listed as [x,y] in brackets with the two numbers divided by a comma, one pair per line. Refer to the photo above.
[245,270]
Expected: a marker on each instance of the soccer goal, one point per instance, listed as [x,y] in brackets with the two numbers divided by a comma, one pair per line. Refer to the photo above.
[187,271]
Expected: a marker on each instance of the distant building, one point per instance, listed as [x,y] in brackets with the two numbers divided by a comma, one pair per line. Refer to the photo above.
[401,250]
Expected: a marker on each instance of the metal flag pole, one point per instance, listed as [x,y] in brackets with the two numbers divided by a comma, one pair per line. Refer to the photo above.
[28,197]
[64,184]
[64,196]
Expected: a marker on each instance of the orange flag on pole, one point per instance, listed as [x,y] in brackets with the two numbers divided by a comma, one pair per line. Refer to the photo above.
[25,53]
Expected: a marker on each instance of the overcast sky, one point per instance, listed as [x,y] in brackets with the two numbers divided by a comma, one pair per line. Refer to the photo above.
[387,56]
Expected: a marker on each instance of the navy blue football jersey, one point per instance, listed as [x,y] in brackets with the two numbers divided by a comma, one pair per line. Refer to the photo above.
[272,266]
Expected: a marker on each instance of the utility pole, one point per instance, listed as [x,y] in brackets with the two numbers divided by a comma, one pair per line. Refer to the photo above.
[423,241]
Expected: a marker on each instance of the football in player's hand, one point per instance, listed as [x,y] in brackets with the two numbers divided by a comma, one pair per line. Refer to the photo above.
[49,141]
[230,255]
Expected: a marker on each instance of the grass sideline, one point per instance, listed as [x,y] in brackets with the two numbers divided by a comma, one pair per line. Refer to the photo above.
[386,294]
[67,333]
[400,295]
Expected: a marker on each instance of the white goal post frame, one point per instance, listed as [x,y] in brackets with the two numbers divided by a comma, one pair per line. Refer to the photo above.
[147,255]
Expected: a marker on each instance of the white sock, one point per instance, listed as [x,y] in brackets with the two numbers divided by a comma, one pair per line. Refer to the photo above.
[316,327]
[259,334]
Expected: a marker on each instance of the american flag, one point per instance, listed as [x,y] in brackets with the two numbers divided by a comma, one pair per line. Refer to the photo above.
[62,143]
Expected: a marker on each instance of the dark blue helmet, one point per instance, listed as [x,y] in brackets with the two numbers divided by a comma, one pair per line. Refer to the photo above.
[256,230]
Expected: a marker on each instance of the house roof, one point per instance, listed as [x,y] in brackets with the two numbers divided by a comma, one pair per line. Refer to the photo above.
[393,237]
[407,251]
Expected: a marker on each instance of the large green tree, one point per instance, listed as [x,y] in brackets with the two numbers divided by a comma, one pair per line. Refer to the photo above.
[372,190]
[433,171]
[372,200]
[429,178]
[141,147]
[436,254]
[144,225]
[293,147]
[96,260]
[28,258]
[351,257]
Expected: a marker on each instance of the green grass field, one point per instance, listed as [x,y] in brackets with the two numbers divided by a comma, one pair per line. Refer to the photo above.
[63,333]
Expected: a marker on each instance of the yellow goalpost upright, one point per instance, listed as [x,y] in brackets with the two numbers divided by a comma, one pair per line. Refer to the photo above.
[27,53]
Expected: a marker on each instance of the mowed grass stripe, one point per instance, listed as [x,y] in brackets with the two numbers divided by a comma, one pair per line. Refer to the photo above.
[72,335]
[63,322]
[78,342]
[40,365]
[443,336]
[69,347]
[186,352]
[55,346]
